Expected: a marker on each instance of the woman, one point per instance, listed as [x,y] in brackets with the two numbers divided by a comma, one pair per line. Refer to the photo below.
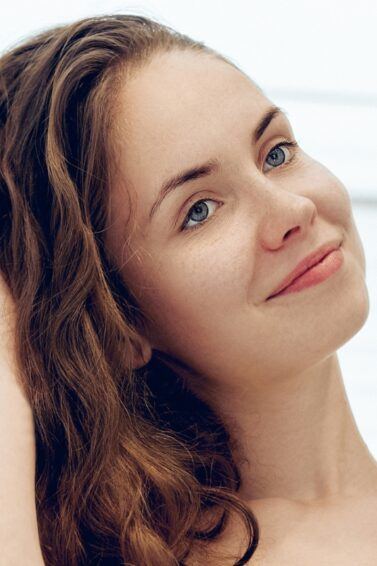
[188,403]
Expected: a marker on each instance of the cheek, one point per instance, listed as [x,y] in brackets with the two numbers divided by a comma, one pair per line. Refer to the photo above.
[335,205]
[192,291]
[330,196]
[339,207]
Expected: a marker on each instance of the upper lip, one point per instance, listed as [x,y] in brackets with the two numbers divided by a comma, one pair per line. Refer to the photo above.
[308,262]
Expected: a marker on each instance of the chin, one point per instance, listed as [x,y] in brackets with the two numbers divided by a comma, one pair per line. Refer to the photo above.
[355,312]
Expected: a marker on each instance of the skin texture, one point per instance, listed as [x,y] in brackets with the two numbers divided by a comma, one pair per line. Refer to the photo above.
[269,368]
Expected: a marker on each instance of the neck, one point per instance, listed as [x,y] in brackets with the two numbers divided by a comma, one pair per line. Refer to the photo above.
[299,440]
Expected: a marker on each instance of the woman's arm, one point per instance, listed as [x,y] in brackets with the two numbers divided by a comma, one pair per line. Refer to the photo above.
[19,539]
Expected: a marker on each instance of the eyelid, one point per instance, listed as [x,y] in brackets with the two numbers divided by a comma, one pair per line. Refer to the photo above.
[185,208]
[192,228]
[267,148]
[284,143]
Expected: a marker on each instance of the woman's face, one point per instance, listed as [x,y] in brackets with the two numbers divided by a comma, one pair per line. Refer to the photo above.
[204,285]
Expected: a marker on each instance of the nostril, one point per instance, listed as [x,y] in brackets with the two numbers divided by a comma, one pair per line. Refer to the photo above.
[291,230]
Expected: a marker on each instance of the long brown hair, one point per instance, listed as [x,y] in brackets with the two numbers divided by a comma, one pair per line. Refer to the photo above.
[128,461]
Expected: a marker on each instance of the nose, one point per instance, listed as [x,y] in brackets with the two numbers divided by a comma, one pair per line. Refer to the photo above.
[287,216]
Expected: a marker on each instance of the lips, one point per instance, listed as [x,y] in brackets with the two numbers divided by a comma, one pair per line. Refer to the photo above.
[308,262]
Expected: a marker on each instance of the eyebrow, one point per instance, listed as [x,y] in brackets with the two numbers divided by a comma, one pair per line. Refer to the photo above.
[212,165]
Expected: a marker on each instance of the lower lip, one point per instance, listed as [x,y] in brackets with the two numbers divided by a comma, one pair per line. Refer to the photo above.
[319,272]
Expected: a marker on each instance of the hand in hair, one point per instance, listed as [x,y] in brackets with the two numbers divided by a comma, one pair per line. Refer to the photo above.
[19,540]
[7,328]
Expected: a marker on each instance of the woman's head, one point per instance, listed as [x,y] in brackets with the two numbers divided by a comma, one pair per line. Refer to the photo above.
[203,259]
[128,463]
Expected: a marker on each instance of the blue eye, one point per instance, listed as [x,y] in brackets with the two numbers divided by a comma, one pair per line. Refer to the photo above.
[200,210]
[275,158]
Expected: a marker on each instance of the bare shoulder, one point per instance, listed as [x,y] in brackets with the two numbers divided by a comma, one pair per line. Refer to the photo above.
[340,533]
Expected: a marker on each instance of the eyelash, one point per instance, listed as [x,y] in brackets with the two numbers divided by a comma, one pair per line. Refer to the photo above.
[183,228]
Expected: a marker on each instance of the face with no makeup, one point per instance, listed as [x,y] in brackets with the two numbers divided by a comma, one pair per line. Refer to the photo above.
[203,262]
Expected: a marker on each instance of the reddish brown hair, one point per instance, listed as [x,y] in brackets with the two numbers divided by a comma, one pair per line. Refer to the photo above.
[128,461]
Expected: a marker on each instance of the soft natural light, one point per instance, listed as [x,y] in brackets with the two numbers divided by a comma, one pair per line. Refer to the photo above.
[317,60]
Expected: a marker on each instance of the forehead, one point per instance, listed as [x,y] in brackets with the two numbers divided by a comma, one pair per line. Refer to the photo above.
[178,99]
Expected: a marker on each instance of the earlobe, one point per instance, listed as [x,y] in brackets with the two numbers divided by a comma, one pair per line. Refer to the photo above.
[142,352]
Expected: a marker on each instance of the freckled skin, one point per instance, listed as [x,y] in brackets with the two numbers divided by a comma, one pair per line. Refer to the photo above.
[212,283]
[271,366]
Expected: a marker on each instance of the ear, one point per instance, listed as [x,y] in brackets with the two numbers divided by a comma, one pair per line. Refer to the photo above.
[142,352]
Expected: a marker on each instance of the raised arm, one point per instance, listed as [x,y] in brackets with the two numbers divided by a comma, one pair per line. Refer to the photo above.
[19,539]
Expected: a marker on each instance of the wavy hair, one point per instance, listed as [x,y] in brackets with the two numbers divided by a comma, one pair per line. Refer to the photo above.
[128,462]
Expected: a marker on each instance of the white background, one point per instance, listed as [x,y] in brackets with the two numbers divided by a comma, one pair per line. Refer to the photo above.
[317,60]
